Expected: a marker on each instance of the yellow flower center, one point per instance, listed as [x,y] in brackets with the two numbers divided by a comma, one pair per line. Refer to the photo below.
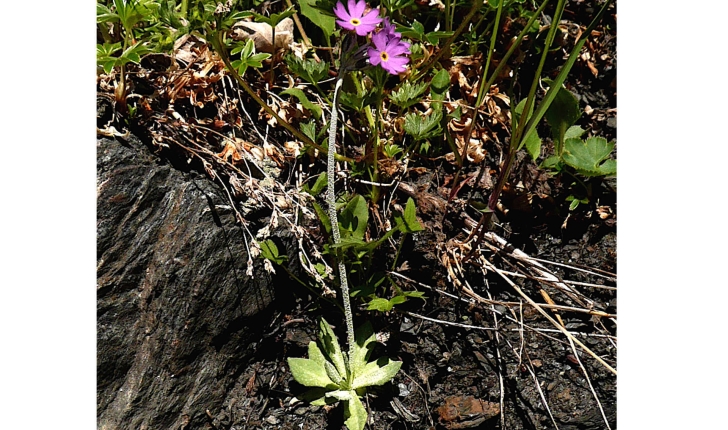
[384,56]
[354,22]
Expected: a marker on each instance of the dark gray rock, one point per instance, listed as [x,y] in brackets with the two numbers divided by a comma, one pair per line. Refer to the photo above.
[177,318]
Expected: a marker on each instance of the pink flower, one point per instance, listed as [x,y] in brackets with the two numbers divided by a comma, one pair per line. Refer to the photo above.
[389,29]
[389,51]
[354,18]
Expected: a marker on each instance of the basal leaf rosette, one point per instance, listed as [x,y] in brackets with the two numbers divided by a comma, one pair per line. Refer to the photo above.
[333,378]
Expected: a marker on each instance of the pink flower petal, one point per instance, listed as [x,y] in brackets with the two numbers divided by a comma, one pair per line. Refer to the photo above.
[380,41]
[346,25]
[395,48]
[374,58]
[372,17]
[341,12]
[356,9]
[364,28]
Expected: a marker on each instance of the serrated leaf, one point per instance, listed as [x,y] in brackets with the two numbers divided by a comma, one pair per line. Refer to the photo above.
[305,102]
[421,127]
[408,94]
[354,413]
[376,373]
[586,155]
[308,69]
[309,373]
[329,344]
[574,131]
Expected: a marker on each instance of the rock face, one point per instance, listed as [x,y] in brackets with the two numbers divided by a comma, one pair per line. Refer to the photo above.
[177,317]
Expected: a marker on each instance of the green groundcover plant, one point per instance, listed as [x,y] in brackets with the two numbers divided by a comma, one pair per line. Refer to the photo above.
[397,41]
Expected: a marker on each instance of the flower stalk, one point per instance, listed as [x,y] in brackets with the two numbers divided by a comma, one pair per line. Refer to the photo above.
[331,200]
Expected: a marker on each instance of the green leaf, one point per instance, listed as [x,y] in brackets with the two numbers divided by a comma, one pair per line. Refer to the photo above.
[318,186]
[415,294]
[574,131]
[380,304]
[134,52]
[248,57]
[355,216]
[309,373]
[435,36]
[533,145]
[275,18]
[397,300]
[330,347]
[421,127]
[305,102]
[440,84]
[324,21]
[411,225]
[109,65]
[408,94]
[376,373]
[586,155]
[354,413]
[532,142]
[269,250]
[317,397]
[315,354]
[309,129]
[104,14]
[552,162]
[308,69]
[365,341]
[561,114]
[323,217]
[332,373]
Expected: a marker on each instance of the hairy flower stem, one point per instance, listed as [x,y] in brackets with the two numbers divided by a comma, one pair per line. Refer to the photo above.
[331,199]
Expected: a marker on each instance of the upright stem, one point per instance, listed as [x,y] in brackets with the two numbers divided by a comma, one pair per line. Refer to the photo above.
[331,198]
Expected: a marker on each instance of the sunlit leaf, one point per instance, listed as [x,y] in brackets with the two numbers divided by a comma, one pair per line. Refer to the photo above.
[305,102]
[309,373]
[376,373]
[589,157]
[354,413]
